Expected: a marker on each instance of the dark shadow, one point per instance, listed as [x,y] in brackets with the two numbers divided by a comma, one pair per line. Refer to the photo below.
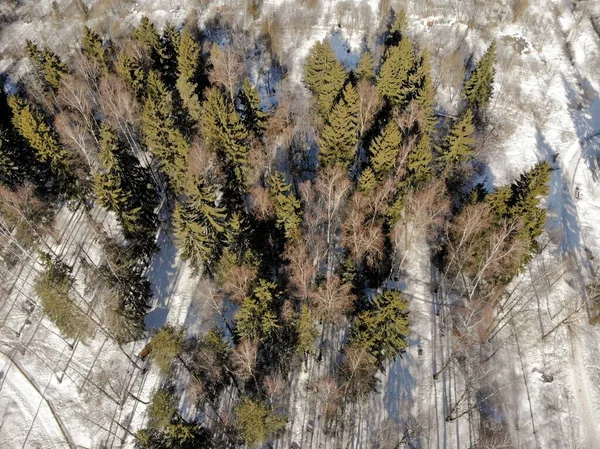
[342,50]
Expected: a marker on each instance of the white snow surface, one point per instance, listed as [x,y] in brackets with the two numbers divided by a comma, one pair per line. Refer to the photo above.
[547,99]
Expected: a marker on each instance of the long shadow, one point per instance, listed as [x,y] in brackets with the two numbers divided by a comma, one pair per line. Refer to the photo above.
[563,218]
[162,273]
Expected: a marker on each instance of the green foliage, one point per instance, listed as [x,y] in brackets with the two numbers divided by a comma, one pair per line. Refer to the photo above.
[287,206]
[180,435]
[384,150]
[133,71]
[32,125]
[367,181]
[188,67]
[169,49]
[420,162]
[366,67]
[397,28]
[223,130]
[393,82]
[162,409]
[324,75]
[339,138]
[167,344]
[93,48]
[124,187]
[307,332]
[48,65]
[256,422]
[254,119]
[54,287]
[199,224]
[384,327]
[478,88]
[145,33]
[256,318]
[161,136]
[424,94]
[460,141]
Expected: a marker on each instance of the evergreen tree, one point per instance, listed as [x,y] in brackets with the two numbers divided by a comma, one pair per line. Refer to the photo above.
[324,75]
[93,48]
[366,67]
[384,327]
[254,119]
[478,88]
[339,138]
[166,344]
[287,206]
[48,64]
[367,181]
[256,422]
[384,150]
[169,56]
[460,141]
[425,94]
[419,162]
[188,68]
[397,29]
[256,319]
[223,130]
[199,224]
[161,136]
[133,71]
[306,330]
[393,82]
[145,33]
[32,125]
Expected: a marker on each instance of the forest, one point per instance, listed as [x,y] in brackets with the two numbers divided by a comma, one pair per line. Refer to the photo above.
[297,203]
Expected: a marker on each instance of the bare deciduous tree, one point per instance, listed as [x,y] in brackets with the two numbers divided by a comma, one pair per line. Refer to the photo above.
[243,359]
[228,68]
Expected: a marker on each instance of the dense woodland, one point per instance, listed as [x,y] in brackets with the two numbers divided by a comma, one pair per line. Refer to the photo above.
[300,212]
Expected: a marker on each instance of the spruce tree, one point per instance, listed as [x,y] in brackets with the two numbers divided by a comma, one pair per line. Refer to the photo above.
[424,94]
[384,327]
[287,206]
[306,330]
[366,67]
[93,48]
[169,50]
[384,150]
[324,75]
[460,142]
[199,225]
[397,29]
[48,64]
[339,138]
[393,80]
[254,119]
[256,422]
[223,130]
[134,72]
[167,344]
[478,88]
[161,136]
[188,68]
[256,319]
[419,162]
[367,181]
[145,33]
[32,125]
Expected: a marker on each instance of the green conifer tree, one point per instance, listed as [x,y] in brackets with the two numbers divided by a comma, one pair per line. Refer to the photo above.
[169,50]
[48,64]
[254,119]
[324,75]
[223,130]
[161,136]
[366,67]
[134,72]
[256,319]
[393,82]
[384,150]
[339,138]
[397,29]
[419,162]
[460,141]
[307,332]
[145,33]
[287,206]
[188,68]
[424,94]
[256,422]
[93,48]
[383,328]
[478,88]
[167,344]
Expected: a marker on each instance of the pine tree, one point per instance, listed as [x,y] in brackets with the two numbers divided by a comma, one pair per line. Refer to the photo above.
[254,119]
[384,150]
[32,125]
[393,81]
[460,141]
[93,48]
[199,224]
[425,94]
[366,67]
[167,344]
[384,327]
[339,138]
[188,67]
[478,88]
[287,206]
[223,130]
[419,162]
[256,422]
[256,319]
[324,75]
[161,136]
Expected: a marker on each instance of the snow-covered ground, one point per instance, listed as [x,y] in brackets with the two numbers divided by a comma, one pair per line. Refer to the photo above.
[545,369]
